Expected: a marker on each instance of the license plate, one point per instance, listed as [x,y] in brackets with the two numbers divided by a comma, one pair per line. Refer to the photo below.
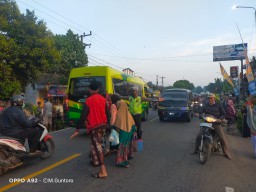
[205,124]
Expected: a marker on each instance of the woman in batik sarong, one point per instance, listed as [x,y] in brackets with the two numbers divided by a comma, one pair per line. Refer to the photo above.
[94,115]
[125,125]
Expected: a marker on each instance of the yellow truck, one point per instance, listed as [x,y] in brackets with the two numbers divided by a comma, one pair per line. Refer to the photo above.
[110,80]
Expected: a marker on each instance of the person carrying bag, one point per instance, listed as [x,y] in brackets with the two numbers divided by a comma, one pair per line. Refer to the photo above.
[114,137]
[126,127]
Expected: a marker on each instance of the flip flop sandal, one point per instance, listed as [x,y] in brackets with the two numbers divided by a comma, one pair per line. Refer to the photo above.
[97,176]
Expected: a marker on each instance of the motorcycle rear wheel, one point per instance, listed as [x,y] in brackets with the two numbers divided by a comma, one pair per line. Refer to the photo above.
[51,147]
[205,152]
[3,157]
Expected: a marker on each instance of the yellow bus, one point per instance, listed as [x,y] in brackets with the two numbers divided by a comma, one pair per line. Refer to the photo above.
[110,80]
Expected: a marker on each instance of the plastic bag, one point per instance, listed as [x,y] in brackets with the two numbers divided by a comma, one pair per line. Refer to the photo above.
[114,137]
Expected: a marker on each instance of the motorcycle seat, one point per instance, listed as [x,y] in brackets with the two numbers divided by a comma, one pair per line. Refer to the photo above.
[12,138]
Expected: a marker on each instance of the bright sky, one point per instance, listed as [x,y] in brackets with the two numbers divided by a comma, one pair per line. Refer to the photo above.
[173,39]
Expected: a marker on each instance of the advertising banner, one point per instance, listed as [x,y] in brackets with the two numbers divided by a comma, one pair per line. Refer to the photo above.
[229,52]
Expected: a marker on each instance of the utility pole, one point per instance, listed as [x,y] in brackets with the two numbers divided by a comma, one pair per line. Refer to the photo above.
[162,80]
[157,80]
[82,36]
[242,95]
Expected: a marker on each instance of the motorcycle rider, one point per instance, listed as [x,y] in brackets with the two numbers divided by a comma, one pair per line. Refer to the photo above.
[215,109]
[15,124]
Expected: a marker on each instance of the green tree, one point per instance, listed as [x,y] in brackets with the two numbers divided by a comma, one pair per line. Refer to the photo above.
[226,87]
[219,86]
[185,84]
[168,87]
[26,48]
[8,83]
[210,87]
[150,84]
[72,54]
[198,89]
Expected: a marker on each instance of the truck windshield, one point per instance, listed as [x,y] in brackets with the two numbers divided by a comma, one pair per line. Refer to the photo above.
[79,87]
[174,103]
[175,95]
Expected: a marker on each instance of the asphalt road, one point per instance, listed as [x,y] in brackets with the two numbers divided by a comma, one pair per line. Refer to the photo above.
[164,165]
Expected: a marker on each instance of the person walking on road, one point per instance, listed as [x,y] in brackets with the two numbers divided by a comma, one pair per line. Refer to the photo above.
[246,132]
[125,125]
[113,111]
[135,108]
[225,101]
[47,114]
[231,117]
[94,116]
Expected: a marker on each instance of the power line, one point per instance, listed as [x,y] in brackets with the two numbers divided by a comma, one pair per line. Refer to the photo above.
[59,15]
[112,48]
[95,34]
[146,74]
[96,61]
[69,20]
[49,16]
[114,65]
[157,60]
[81,36]
[105,61]
[161,58]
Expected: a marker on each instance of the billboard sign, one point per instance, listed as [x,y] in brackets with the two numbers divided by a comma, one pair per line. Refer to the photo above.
[229,52]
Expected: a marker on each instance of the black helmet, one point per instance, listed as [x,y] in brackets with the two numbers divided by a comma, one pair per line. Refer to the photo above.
[17,100]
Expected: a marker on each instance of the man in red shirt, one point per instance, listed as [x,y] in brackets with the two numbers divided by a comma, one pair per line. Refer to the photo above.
[94,115]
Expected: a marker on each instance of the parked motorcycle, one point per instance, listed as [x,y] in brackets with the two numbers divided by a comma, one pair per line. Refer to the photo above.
[210,141]
[13,153]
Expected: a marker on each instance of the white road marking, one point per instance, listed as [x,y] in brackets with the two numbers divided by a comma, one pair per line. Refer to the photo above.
[229,189]
[154,119]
